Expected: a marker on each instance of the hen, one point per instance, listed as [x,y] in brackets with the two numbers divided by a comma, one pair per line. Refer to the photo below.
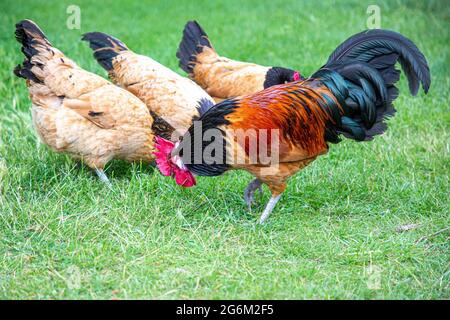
[221,77]
[175,98]
[80,113]
[350,96]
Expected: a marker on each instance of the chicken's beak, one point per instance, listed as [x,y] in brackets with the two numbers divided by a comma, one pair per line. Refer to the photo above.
[176,150]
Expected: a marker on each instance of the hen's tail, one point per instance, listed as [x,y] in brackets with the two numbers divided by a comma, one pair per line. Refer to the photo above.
[105,48]
[361,75]
[36,48]
[193,42]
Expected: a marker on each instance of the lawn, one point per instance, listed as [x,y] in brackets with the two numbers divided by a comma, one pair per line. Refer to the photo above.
[334,234]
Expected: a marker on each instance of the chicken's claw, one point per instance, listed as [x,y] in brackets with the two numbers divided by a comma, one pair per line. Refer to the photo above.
[249,193]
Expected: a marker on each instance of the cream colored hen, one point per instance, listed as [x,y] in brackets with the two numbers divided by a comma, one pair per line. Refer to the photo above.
[176,99]
[80,113]
[221,77]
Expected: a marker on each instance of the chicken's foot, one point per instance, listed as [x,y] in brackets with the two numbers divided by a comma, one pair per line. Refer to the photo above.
[103,178]
[249,193]
[269,207]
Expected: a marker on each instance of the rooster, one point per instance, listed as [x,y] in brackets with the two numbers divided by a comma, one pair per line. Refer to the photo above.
[221,77]
[80,113]
[351,96]
[174,98]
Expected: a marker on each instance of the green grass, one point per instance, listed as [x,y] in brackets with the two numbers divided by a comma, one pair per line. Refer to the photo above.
[65,235]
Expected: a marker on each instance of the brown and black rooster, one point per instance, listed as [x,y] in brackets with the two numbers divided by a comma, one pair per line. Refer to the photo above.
[351,96]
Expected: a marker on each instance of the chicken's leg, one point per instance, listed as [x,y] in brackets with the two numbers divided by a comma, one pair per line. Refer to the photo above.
[269,207]
[276,188]
[101,174]
[249,193]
